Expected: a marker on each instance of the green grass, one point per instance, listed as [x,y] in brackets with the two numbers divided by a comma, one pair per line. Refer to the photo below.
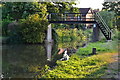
[84,67]
[76,67]
[101,47]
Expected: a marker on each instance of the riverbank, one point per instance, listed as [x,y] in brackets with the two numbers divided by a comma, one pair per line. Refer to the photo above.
[93,66]
[88,67]
[112,70]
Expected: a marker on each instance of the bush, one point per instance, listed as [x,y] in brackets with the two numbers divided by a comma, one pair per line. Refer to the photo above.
[33,29]
[66,35]
[5,23]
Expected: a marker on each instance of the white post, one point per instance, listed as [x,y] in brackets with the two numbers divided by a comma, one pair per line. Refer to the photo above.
[49,33]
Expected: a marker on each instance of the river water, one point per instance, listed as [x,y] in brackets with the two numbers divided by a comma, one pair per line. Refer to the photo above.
[26,60]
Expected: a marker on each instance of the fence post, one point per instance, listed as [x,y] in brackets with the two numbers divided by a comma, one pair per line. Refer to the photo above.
[93,51]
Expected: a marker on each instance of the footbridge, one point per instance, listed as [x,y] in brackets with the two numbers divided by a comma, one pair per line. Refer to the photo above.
[79,18]
[70,18]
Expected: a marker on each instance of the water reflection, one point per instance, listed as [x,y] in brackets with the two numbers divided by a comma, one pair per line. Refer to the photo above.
[49,51]
[18,59]
[26,61]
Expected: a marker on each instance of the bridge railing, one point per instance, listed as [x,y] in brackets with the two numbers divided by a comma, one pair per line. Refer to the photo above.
[71,17]
[103,26]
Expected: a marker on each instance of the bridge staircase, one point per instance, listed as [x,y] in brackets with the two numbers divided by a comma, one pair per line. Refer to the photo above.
[103,26]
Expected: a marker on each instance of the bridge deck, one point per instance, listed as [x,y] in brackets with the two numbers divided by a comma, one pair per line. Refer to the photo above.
[73,22]
[71,18]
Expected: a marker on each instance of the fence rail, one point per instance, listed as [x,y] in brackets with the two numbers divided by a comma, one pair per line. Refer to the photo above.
[55,17]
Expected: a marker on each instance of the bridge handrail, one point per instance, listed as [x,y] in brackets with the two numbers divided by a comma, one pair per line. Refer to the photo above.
[103,22]
[109,32]
[71,13]
[101,19]
[65,16]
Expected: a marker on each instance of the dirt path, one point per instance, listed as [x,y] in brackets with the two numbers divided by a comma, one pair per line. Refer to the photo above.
[113,70]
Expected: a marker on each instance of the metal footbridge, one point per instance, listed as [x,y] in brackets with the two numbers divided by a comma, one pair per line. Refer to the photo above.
[79,18]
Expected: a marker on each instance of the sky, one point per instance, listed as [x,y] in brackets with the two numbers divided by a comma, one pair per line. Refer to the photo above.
[94,4]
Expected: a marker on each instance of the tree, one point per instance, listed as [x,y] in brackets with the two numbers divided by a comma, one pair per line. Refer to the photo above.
[61,7]
[113,6]
[19,10]
[109,18]
[25,10]
[33,29]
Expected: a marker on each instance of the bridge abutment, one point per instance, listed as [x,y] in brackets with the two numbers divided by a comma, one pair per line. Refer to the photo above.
[96,33]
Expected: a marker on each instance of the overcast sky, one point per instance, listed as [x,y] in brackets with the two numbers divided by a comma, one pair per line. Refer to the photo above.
[90,3]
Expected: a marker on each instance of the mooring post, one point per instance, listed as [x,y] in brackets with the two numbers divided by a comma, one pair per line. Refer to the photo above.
[93,51]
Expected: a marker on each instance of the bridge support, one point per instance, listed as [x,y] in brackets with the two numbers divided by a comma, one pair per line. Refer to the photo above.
[49,34]
[96,33]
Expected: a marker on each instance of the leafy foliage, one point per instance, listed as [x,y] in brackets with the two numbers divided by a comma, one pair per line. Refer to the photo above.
[109,18]
[19,10]
[70,35]
[33,29]
[5,23]
[12,11]
[113,6]
[61,7]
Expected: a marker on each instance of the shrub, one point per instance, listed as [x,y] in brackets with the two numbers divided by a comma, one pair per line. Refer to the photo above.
[5,23]
[33,29]
[66,35]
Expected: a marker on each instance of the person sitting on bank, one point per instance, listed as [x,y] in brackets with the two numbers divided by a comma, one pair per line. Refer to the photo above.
[65,54]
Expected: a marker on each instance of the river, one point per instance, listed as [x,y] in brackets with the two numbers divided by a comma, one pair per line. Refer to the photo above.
[26,60]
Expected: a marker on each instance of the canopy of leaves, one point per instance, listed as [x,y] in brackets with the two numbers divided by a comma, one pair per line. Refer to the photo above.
[115,7]
[109,17]
[18,10]
[112,6]
[33,29]
[61,7]
[37,23]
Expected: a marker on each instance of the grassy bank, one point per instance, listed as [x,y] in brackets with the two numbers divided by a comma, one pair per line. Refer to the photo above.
[85,67]
[76,67]
[101,47]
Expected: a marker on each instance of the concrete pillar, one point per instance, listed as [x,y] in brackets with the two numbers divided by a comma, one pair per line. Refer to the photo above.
[49,33]
[96,33]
